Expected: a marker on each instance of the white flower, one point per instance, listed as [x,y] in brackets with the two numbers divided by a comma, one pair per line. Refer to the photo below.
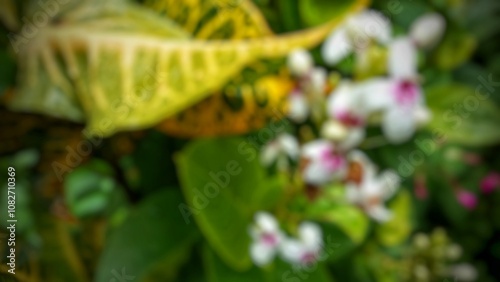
[298,106]
[300,62]
[322,163]
[308,97]
[428,30]
[267,238]
[345,104]
[280,149]
[355,35]
[317,81]
[400,96]
[369,191]
[305,250]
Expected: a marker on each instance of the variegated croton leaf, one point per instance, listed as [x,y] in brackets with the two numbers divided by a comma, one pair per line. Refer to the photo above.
[118,66]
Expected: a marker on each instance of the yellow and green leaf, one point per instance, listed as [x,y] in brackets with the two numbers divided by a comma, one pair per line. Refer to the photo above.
[118,66]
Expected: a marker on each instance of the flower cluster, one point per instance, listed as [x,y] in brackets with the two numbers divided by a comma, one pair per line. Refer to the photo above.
[269,241]
[397,97]
[332,115]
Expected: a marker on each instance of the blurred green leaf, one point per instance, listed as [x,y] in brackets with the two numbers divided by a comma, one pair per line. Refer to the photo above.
[457,47]
[91,204]
[397,230]
[463,115]
[25,159]
[349,218]
[338,244]
[88,188]
[316,12]
[154,237]
[290,14]
[224,186]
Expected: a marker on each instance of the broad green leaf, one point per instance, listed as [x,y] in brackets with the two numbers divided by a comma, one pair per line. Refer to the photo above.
[333,209]
[464,115]
[315,12]
[344,225]
[338,243]
[397,229]
[154,237]
[119,66]
[224,184]
[349,218]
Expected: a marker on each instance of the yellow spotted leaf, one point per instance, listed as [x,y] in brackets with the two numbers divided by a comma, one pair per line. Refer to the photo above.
[118,66]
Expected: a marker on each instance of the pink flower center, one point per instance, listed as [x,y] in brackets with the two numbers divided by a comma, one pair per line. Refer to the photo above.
[269,239]
[331,161]
[349,119]
[406,93]
[308,258]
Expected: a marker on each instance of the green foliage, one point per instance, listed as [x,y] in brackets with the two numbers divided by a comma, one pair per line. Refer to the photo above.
[315,12]
[447,56]
[92,190]
[154,238]
[224,186]
[217,271]
[464,115]
[347,217]
[397,229]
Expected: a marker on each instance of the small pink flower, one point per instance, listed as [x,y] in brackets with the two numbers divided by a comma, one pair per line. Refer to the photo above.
[490,182]
[467,199]
[266,238]
[322,163]
[306,249]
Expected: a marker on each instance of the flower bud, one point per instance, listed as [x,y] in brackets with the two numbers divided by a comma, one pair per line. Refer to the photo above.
[428,30]
[334,130]
[300,62]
